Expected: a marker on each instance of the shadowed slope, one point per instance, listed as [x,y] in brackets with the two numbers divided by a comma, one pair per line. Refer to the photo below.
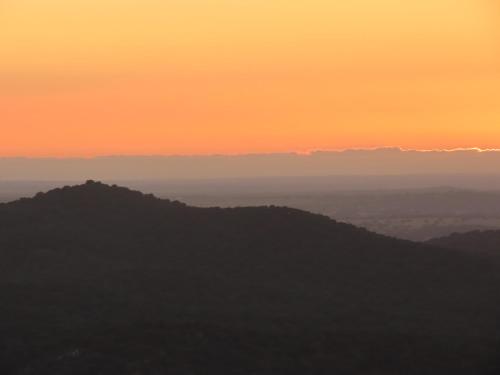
[486,243]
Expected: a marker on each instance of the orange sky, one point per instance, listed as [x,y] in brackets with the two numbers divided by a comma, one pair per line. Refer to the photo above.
[89,77]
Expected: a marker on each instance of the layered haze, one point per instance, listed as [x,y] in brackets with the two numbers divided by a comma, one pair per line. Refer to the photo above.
[358,162]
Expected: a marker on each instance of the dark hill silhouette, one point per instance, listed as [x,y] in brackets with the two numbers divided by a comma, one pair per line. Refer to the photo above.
[102,279]
[486,243]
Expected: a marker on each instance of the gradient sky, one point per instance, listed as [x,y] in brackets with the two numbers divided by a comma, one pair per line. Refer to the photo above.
[101,77]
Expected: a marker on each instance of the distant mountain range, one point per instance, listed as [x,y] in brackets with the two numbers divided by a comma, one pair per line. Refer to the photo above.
[485,243]
[101,279]
[362,162]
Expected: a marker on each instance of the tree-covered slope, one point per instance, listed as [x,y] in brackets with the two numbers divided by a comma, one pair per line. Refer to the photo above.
[100,279]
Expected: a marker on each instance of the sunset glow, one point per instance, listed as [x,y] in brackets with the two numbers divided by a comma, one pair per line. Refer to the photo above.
[88,77]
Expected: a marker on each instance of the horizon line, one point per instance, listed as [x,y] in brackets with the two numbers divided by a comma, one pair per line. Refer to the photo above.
[306,153]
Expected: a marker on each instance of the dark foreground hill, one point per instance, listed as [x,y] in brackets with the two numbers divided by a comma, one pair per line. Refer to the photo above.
[96,279]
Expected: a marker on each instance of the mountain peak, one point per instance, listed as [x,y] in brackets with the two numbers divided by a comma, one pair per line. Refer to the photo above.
[91,202]
[91,187]
[90,194]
